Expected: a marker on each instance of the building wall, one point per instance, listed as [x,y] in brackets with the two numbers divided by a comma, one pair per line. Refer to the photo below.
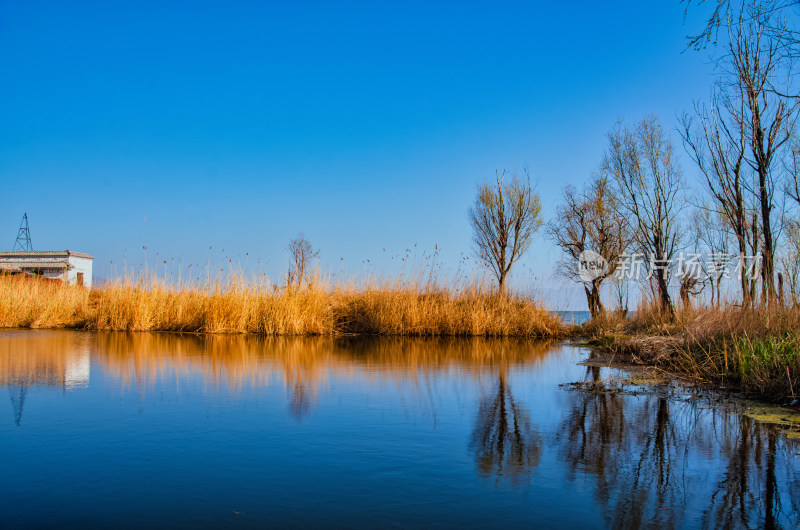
[82,265]
[54,274]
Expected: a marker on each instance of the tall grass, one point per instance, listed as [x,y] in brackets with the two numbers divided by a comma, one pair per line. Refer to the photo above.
[26,303]
[756,350]
[235,305]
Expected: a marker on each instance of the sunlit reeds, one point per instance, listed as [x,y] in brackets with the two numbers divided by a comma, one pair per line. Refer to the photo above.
[416,307]
[30,303]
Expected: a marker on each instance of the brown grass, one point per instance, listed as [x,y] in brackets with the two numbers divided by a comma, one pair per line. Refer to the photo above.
[33,303]
[238,306]
[754,350]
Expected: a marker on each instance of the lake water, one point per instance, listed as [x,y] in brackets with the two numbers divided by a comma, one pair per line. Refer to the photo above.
[160,430]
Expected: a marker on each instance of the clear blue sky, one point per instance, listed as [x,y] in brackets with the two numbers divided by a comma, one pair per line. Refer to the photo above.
[184,125]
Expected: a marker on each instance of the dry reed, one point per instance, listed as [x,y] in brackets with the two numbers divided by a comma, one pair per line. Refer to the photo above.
[756,350]
[407,308]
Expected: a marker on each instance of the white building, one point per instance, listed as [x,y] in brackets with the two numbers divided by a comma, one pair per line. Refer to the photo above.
[74,268]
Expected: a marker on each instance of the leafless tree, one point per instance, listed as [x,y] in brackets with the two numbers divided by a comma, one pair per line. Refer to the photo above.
[648,185]
[792,167]
[790,259]
[301,256]
[717,144]
[590,220]
[750,120]
[713,240]
[725,13]
[754,64]
[704,264]
[504,218]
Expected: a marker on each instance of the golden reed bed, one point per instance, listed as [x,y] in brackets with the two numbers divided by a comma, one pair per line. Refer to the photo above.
[237,306]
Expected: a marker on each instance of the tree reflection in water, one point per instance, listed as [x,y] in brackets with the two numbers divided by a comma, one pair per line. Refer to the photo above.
[299,400]
[505,442]
[17,394]
[642,454]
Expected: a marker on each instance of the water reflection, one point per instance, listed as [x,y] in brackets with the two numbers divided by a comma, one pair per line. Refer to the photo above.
[648,457]
[304,365]
[652,459]
[505,441]
[53,360]
[46,359]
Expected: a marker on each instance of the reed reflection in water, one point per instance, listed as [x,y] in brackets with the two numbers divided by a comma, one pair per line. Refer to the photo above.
[464,431]
[304,365]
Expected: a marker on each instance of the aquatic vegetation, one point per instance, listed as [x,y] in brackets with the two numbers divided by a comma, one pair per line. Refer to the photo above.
[755,350]
[35,303]
[235,305]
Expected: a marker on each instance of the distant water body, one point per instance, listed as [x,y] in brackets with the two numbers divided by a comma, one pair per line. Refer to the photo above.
[574,317]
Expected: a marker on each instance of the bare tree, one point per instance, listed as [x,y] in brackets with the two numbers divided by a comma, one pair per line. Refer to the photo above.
[792,185]
[713,236]
[705,264]
[790,259]
[648,185]
[754,65]
[590,221]
[301,256]
[755,117]
[504,218]
[725,13]
[717,145]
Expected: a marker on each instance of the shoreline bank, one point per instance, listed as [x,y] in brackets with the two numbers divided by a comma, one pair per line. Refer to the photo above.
[755,351]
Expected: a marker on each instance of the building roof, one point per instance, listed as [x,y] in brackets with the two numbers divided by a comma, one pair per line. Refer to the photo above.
[22,265]
[33,254]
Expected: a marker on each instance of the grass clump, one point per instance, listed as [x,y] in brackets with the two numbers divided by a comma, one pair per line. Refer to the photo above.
[756,350]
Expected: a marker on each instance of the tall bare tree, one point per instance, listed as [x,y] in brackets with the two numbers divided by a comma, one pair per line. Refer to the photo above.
[759,106]
[648,185]
[589,220]
[504,218]
[718,145]
[754,62]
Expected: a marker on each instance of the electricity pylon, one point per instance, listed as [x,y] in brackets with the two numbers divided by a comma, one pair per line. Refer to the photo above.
[23,236]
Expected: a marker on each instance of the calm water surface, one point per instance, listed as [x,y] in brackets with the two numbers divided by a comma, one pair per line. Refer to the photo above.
[128,430]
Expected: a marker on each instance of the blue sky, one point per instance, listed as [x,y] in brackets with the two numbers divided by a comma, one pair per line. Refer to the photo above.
[365,125]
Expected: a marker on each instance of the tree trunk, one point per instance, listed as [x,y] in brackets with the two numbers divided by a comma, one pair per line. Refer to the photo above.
[713,291]
[665,302]
[593,299]
[743,278]
[768,266]
[685,299]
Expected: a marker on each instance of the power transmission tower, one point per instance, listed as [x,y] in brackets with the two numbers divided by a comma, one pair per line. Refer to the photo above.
[23,236]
